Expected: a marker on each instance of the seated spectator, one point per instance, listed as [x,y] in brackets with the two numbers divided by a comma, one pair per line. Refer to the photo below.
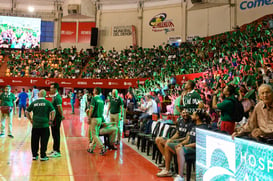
[260,123]
[149,110]
[167,146]
[188,146]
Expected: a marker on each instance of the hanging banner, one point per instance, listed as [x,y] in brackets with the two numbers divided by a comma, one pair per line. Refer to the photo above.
[68,32]
[84,31]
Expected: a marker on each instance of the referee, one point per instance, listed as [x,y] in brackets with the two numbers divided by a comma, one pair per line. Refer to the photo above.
[43,114]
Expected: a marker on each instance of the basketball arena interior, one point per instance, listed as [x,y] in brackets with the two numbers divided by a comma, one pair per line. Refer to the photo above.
[139,90]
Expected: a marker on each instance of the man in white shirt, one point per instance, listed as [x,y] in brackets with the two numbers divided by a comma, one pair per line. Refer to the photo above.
[149,110]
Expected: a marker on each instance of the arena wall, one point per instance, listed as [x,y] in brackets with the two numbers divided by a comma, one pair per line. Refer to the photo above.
[108,19]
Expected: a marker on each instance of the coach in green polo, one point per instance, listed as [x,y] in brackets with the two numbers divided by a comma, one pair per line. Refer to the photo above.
[7,102]
[43,114]
[116,108]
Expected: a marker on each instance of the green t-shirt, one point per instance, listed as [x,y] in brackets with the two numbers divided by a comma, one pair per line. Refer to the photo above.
[57,101]
[177,103]
[98,106]
[226,108]
[41,109]
[115,104]
[191,101]
[7,99]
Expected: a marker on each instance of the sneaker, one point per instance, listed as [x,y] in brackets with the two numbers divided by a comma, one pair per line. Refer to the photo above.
[102,151]
[164,173]
[2,135]
[54,154]
[179,178]
[112,147]
[35,158]
[44,158]
[90,150]
[161,166]
[11,136]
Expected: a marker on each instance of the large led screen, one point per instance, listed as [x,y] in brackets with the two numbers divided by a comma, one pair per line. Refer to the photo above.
[219,158]
[19,32]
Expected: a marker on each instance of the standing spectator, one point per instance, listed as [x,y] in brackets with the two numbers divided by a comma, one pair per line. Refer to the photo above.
[189,99]
[29,96]
[116,111]
[43,114]
[35,92]
[7,102]
[227,108]
[55,126]
[95,116]
[83,103]
[15,102]
[22,97]
[72,96]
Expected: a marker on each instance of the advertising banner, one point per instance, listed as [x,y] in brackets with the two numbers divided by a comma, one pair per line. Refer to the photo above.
[218,157]
[73,83]
[87,83]
[84,31]
[68,32]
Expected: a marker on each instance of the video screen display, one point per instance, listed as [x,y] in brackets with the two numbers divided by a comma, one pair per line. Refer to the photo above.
[20,32]
[219,158]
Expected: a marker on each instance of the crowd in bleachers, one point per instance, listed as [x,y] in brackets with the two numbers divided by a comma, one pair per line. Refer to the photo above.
[54,63]
[238,53]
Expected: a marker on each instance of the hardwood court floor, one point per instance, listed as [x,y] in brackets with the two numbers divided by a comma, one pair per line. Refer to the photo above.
[76,163]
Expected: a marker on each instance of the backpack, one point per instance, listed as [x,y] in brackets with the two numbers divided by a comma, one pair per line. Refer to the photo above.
[238,111]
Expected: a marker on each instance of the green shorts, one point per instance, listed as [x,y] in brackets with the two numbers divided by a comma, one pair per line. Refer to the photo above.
[173,144]
[189,150]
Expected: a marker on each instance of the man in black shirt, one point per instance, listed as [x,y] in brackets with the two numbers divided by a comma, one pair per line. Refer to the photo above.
[188,146]
[167,146]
